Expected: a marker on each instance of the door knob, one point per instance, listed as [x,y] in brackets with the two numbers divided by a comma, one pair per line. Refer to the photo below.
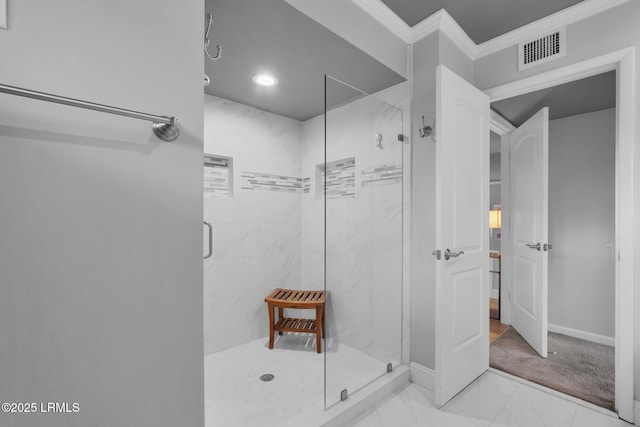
[448,254]
[532,246]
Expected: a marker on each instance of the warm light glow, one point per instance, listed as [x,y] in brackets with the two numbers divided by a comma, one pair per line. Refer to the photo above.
[495,219]
[265,80]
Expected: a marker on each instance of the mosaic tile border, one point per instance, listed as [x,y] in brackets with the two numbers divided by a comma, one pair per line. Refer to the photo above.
[340,178]
[306,185]
[217,176]
[269,182]
[381,175]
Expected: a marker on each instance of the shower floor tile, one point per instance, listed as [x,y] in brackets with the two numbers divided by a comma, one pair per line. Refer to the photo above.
[235,395]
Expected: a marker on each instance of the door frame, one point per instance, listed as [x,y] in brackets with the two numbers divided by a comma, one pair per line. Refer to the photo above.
[623,62]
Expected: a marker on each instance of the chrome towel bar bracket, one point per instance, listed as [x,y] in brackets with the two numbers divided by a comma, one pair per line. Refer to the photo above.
[164,127]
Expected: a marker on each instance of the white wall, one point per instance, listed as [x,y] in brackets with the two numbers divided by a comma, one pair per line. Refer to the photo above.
[581,223]
[257,233]
[100,250]
[424,59]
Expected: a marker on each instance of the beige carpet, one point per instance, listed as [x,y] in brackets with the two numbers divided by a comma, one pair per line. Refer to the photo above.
[578,368]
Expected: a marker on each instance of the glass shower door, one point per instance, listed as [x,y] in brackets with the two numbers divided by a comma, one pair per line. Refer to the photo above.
[362,187]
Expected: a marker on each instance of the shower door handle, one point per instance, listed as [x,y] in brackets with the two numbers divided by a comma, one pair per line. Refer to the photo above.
[208,255]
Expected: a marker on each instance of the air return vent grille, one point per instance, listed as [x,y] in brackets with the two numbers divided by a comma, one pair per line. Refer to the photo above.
[542,49]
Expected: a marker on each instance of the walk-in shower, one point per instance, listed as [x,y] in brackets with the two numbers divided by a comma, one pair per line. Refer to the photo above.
[313,205]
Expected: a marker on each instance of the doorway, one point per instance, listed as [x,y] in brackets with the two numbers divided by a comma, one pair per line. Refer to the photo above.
[561,261]
[622,62]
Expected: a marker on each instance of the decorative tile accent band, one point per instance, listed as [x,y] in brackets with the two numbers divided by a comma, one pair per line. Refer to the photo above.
[306,185]
[217,176]
[268,182]
[381,175]
[340,178]
[216,183]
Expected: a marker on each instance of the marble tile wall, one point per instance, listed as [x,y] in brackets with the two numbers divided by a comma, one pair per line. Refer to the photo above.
[364,233]
[256,234]
[267,239]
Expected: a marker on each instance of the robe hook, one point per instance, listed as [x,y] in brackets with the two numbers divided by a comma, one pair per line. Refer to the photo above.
[424,130]
[218,54]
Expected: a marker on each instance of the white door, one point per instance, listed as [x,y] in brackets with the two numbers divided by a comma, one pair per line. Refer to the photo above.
[529,182]
[462,218]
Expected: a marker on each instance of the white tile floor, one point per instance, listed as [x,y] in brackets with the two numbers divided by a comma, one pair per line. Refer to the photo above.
[492,400]
[235,396]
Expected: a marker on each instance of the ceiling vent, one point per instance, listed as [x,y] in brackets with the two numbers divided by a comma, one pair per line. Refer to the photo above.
[541,49]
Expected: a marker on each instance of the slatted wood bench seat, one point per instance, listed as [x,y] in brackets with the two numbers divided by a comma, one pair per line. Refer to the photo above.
[298,299]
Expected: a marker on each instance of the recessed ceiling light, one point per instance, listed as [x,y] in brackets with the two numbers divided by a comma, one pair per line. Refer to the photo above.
[265,80]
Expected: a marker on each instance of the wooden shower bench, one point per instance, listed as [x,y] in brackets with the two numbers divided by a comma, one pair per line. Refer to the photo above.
[298,299]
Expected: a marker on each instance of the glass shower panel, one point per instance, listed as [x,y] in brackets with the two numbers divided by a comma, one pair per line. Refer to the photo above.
[361,182]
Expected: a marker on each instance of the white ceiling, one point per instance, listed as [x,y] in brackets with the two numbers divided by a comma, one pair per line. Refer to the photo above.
[482,20]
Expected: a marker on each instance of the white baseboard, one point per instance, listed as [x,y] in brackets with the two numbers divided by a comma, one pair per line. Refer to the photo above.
[587,336]
[423,376]
[636,412]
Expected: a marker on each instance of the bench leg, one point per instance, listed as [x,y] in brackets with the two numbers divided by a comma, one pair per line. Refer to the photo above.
[271,326]
[280,316]
[319,328]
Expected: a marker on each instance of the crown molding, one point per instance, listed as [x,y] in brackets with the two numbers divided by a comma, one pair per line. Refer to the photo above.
[499,124]
[450,27]
[442,21]
[381,13]
[429,25]
[565,17]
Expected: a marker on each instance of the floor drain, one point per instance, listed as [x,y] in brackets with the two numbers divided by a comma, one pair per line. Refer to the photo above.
[267,377]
